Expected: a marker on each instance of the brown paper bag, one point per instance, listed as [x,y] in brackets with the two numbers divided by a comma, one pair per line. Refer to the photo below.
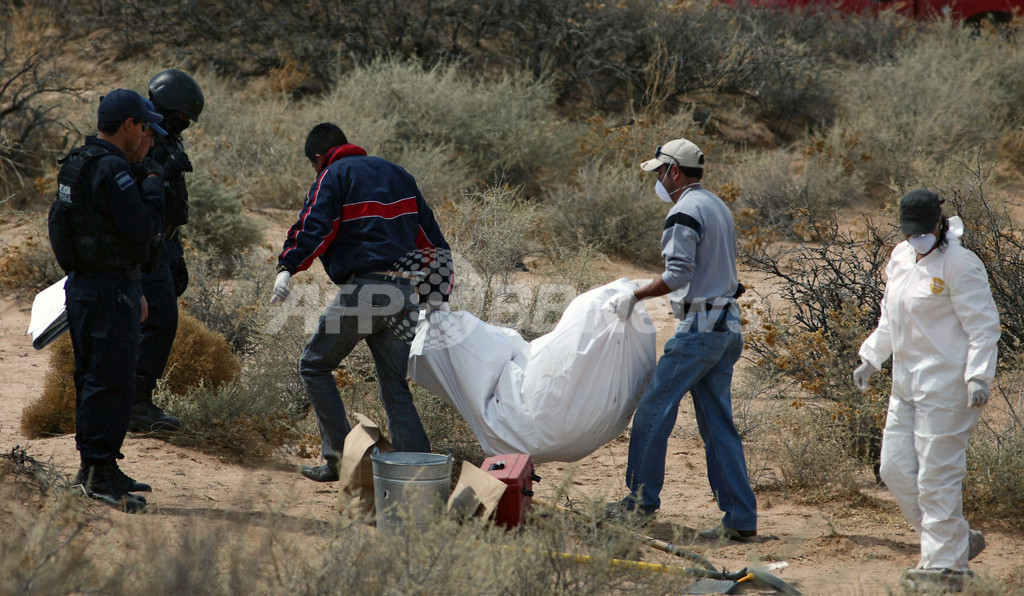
[355,482]
[476,495]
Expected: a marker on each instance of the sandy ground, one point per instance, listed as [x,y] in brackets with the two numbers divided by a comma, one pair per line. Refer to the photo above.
[831,549]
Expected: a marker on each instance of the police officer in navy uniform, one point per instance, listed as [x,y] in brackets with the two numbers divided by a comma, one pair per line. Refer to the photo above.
[180,100]
[102,226]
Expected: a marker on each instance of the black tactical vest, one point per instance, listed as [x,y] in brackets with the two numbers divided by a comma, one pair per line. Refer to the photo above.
[82,237]
[175,193]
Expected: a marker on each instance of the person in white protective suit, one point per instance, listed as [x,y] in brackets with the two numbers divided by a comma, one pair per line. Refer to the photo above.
[940,325]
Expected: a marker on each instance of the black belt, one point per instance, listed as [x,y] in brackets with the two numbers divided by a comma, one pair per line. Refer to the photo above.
[130,273]
[397,277]
[709,305]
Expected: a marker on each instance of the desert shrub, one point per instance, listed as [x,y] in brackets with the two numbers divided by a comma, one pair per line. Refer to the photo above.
[53,413]
[218,227]
[230,307]
[992,233]
[28,266]
[902,121]
[995,457]
[611,204]
[47,552]
[607,56]
[252,415]
[252,146]
[199,357]
[247,418]
[827,295]
[778,193]
[812,454]
[490,231]
[33,85]
[258,411]
[504,130]
[837,36]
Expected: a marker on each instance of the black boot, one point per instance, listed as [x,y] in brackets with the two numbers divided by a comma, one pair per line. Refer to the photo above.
[327,472]
[147,417]
[132,485]
[104,483]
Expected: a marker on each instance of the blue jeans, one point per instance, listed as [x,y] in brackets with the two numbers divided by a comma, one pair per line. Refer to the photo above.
[699,359]
[381,314]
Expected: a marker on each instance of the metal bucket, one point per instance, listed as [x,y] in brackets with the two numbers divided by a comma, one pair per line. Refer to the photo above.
[409,486]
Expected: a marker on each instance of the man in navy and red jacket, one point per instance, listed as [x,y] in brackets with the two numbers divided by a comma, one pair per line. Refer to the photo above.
[366,221]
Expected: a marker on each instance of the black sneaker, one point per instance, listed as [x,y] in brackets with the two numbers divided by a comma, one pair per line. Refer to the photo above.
[102,483]
[147,417]
[630,513]
[323,473]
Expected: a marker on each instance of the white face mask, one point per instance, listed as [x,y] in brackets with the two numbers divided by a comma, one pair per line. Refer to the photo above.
[923,243]
[662,192]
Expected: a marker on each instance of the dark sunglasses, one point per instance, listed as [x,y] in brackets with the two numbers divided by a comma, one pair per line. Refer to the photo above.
[658,153]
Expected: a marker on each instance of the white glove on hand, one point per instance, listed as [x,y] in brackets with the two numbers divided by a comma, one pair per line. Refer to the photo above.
[622,304]
[977,393]
[862,374]
[281,290]
[442,307]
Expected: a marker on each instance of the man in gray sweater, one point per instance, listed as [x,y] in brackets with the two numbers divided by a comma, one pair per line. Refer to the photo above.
[699,247]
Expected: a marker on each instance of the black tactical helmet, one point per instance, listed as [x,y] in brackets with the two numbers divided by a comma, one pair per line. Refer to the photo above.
[173,89]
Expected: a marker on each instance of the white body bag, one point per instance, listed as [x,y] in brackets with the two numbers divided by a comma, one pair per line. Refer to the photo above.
[557,398]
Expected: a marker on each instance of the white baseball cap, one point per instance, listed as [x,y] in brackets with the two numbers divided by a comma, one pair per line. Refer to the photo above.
[679,152]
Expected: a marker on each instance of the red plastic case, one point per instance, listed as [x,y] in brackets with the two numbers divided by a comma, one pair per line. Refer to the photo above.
[515,470]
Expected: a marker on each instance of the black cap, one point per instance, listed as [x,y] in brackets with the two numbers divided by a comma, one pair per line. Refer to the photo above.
[920,211]
[121,104]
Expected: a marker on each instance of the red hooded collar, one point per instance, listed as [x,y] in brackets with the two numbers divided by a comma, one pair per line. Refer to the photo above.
[340,151]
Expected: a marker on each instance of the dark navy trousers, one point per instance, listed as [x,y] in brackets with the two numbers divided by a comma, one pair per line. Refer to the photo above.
[103,312]
[159,329]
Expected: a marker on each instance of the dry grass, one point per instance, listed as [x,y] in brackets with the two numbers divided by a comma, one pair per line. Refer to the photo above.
[866,106]
[198,357]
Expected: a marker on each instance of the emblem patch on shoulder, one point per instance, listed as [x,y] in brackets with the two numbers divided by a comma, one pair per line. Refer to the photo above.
[124,180]
[938,285]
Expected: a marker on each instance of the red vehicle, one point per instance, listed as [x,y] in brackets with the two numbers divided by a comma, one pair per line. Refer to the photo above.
[969,11]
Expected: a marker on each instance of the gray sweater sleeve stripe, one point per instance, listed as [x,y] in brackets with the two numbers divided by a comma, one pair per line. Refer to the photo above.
[682,219]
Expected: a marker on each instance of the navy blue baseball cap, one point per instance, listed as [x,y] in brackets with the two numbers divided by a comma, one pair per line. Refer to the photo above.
[121,104]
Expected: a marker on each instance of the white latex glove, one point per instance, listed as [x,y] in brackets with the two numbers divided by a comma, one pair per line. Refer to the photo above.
[281,290]
[443,307]
[862,374]
[622,304]
[977,393]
